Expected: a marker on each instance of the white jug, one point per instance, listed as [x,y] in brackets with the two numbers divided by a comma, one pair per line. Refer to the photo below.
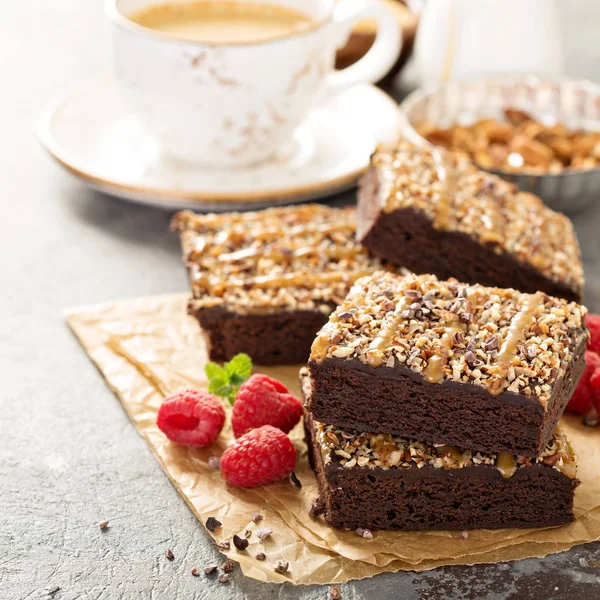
[464,38]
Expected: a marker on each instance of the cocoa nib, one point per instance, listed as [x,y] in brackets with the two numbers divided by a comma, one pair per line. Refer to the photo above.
[212,524]
[282,567]
[240,543]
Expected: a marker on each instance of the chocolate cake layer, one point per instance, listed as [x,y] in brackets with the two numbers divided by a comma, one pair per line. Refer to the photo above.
[437,213]
[485,368]
[265,282]
[378,481]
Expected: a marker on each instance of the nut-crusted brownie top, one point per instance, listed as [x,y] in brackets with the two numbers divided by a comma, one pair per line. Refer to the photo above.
[294,258]
[496,338]
[457,196]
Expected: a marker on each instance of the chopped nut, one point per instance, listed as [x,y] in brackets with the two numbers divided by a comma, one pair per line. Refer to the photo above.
[210,569]
[464,535]
[223,545]
[264,534]
[212,524]
[195,572]
[364,533]
[103,525]
[223,578]
[227,566]
[257,518]
[169,554]
[261,556]
[282,567]
[334,592]
[240,543]
[214,462]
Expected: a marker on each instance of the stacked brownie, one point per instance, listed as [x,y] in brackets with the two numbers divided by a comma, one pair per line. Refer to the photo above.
[435,404]
[265,282]
[435,212]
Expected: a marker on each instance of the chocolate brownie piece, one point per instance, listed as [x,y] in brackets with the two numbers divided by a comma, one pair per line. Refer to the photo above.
[379,481]
[435,212]
[484,368]
[265,282]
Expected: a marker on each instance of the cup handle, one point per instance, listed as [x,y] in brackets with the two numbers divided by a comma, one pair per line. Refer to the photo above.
[381,57]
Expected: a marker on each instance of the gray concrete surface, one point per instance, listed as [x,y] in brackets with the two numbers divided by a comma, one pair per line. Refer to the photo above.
[69,458]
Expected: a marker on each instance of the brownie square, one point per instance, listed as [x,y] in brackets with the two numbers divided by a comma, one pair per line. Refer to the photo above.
[489,369]
[380,481]
[435,212]
[265,282]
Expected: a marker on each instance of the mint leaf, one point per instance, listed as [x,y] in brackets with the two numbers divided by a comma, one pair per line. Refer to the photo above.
[240,366]
[225,381]
[214,371]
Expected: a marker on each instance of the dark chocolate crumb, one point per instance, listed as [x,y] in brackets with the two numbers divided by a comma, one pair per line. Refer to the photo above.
[213,524]
[223,545]
[247,533]
[316,509]
[209,569]
[103,525]
[282,567]
[169,554]
[195,572]
[294,480]
[223,578]
[227,566]
[240,543]
[262,534]
[261,556]
[334,592]
[256,518]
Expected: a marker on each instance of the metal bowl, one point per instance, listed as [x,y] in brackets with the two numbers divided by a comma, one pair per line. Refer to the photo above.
[576,104]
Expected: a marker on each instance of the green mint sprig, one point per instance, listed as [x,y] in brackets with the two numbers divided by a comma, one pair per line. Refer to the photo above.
[225,381]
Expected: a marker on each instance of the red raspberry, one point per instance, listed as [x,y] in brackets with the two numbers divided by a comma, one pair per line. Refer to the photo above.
[259,457]
[583,397]
[264,401]
[191,418]
[595,387]
[593,324]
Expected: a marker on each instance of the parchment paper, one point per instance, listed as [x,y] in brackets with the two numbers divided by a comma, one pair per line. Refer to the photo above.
[148,348]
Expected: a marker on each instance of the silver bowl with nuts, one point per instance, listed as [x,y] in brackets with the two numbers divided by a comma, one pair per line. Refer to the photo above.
[541,134]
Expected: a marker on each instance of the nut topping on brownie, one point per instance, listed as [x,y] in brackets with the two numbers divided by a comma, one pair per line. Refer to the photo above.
[457,196]
[294,258]
[350,448]
[496,338]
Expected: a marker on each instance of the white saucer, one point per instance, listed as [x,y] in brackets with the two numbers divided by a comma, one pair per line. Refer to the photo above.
[90,132]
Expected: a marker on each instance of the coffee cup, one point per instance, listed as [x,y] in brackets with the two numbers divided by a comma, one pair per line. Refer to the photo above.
[233,97]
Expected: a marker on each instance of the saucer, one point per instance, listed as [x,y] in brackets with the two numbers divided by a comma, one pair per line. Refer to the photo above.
[89,130]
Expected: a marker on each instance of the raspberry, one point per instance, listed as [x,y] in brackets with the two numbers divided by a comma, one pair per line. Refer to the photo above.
[583,397]
[595,387]
[191,418]
[264,401]
[593,324]
[259,457]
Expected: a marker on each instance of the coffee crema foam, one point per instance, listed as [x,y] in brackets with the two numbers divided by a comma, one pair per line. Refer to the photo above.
[223,22]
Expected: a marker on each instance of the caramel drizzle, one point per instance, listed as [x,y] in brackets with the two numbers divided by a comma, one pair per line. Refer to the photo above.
[434,371]
[517,331]
[389,330]
[520,323]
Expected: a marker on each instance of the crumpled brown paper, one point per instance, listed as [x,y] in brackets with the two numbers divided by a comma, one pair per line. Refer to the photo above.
[147,348]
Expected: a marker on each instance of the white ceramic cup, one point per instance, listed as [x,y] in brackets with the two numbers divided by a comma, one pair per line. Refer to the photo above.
[238,104]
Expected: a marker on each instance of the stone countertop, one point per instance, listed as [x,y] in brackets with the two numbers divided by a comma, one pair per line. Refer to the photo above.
[69,457]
